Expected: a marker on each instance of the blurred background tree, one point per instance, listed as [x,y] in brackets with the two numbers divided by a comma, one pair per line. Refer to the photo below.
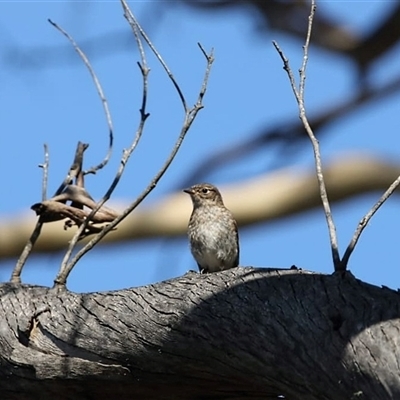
[248,136]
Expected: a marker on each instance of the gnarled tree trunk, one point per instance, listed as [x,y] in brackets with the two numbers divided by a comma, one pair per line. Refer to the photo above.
[238,334]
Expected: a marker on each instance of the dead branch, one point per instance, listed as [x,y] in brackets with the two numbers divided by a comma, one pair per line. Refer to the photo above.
[299,95]
[364,222]
[287,136]
[100,92]
[16,273]
[45,167]
[190,115]
[241,334]
[75,172]
[67,264]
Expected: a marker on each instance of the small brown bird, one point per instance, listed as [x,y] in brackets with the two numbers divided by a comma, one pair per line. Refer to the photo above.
[212,230]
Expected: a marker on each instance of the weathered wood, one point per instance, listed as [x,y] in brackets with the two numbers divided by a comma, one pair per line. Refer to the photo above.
[242,333]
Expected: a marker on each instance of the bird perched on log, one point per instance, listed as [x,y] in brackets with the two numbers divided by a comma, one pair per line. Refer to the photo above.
[212,230]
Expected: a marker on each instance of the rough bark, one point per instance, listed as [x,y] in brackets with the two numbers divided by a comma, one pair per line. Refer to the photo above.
[239,334]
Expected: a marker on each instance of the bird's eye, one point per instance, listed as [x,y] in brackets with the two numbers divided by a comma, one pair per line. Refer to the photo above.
[205,190]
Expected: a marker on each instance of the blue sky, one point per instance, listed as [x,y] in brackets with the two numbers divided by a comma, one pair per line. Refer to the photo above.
[48,97]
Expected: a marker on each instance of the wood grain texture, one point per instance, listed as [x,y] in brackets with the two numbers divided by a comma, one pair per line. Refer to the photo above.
[238,334]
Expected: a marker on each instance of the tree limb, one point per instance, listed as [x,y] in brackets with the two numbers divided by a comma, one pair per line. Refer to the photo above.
[270,197]
[242,333]
[299,95]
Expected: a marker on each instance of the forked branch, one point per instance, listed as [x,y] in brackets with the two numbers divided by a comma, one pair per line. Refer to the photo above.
[364,222]
[16,273]
[136,27]
[190,115]
[299,95]
[102,97]
[68,264]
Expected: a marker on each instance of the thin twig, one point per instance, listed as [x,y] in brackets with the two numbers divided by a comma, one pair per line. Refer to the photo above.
[74,171]
[67,264]
[103,99]
[210,60]
[190,115]
[143,66]
[287,134]
[16,273]
[75,168]
[65,268]
[299,95]
[132,21]
[45,167]
[364,222]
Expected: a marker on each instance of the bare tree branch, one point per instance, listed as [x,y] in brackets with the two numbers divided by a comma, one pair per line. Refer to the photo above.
[74,171]
[45,167]
[362,47]
[330,33]
[364,222]
[241,334]
[67,265]
[133,22]
[190,115]
[16,273]
[100,92]
[75,168]
[286,134]
[299,95]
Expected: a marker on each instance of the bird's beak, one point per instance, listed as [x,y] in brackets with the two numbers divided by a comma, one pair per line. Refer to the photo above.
[188,191]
